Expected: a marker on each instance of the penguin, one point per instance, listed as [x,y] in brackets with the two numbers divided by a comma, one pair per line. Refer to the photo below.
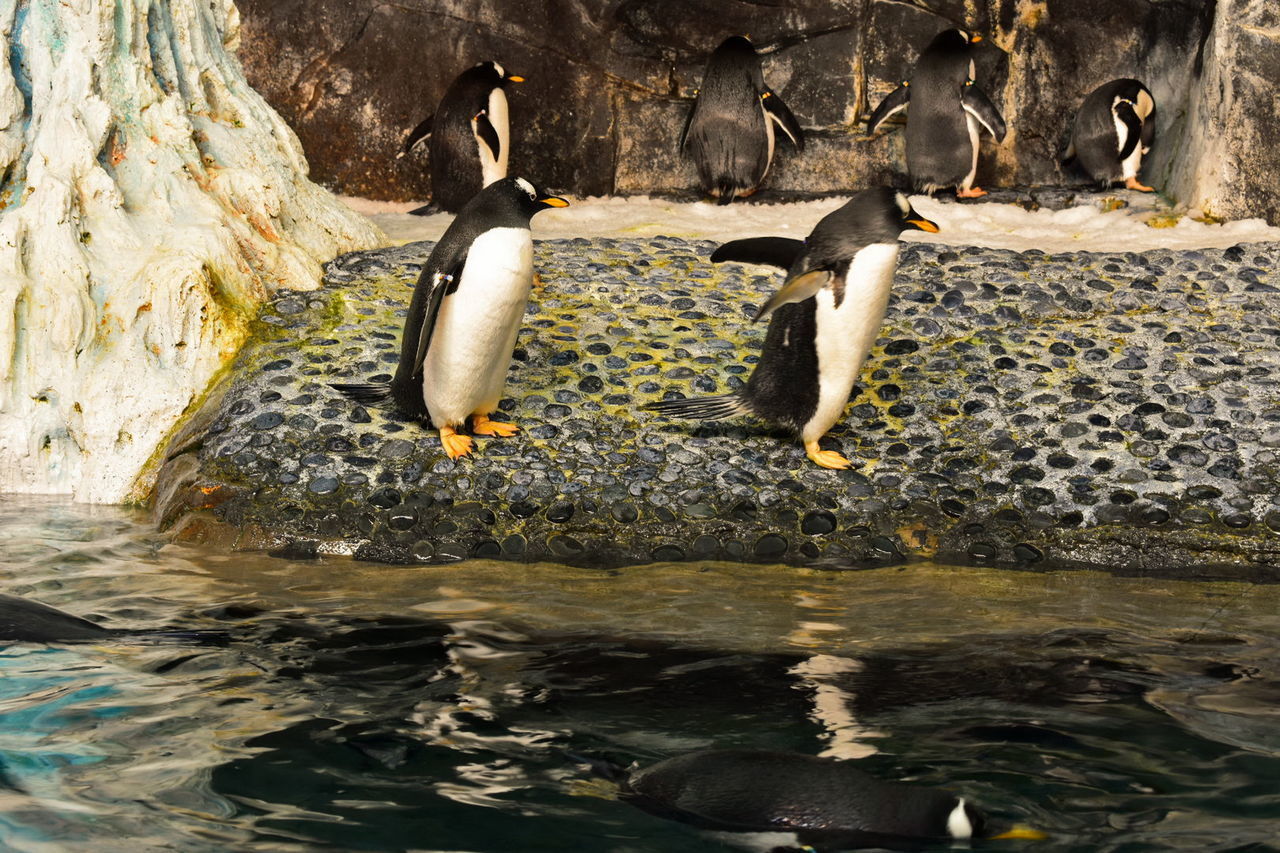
[25,621]
[730,131]
[1113,131]
[468,137]
[465,313]
[820,803]
[947,109]
[825,318]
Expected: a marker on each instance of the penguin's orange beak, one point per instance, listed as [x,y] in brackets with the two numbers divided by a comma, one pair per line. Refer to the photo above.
[924,225]
[975,38]
[514,78]
[1024,832]
[553,201]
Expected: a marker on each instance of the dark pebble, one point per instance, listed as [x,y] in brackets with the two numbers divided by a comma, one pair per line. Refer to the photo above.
[267,420]
[770,546]
[818,523]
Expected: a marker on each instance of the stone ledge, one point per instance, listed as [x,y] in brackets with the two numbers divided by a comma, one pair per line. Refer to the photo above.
[1119,411]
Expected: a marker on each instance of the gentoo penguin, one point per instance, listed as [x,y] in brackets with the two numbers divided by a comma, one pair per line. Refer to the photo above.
[1113,130]
[730,132]
[468,137]
[825,318]
[947,108]
[466,310]
[819,802]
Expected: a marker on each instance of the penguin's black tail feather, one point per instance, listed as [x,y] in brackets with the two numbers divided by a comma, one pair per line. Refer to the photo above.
[701,408]
[372,392]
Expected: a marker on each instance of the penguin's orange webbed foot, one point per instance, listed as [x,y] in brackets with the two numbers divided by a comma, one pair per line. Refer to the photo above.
[1133,184]
[826,458]
[972,192]
[537,282]
[455,444]
[481,425]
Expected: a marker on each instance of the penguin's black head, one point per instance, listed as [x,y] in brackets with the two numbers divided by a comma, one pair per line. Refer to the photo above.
[954,39]
[737,44]
[498,74]
[907,218]
[529,198]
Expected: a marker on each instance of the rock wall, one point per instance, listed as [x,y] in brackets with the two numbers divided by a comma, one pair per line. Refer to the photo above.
[151,201]
[609,85]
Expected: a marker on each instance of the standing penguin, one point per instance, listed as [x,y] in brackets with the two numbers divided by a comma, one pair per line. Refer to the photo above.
[730,133]
[821,803]
[466,309]
[825,318]
[947,108]
[468,137]
[1114,129]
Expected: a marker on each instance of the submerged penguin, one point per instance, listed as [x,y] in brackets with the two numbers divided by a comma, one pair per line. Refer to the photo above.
[468,136]
[947,108]
[466,309]
[818,802]
[1113,130]
[730,133]
[25,621]
[825,318]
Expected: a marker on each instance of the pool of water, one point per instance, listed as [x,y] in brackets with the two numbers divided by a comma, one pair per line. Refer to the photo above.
[365,707]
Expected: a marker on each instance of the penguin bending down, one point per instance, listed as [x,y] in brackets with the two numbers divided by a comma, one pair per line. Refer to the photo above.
[466,310]
[468,136]
[947,109]
[1113,130]
[819,802]
[825,318]
[730,132]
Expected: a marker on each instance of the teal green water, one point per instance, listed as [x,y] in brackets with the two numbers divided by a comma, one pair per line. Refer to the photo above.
[365,707]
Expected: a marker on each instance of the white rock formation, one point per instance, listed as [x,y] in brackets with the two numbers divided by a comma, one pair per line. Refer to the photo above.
[151,200]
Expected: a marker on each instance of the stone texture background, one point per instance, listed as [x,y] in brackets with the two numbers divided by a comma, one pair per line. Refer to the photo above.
[609,85]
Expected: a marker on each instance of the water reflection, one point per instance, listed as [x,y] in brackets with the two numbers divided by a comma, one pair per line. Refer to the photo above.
[385,708]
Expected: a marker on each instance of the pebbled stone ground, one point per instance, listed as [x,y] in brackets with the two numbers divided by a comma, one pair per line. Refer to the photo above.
[1112,410]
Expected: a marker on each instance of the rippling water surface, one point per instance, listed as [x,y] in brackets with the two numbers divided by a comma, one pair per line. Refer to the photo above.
[361,707]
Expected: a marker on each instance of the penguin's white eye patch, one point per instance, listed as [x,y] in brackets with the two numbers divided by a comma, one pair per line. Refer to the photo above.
[964,34]
[903,204]
[527,187]
[501,71]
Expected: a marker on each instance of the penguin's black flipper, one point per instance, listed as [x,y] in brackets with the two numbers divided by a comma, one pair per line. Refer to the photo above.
[701,408]
[418,135]
[797,288]
[427,209]
[684,133]
[977,104]
[486,131]
[773,251]
[1132,128]
[364,393]
[782,116]
[892,103]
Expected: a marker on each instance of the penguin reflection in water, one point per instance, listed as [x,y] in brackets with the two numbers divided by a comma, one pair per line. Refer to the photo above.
[468,138]
[462,323]
[730,133]
[1113,130]
[792,801]
[825,318]
[946,110]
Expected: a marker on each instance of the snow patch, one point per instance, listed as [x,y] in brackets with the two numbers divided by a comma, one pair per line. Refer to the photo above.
[1085,228]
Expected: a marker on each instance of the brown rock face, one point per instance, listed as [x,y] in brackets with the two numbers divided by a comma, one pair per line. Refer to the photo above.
[609,85]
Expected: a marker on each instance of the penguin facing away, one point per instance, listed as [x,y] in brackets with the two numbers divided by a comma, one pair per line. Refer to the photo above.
[947,109]
[462,322]
[822,803]
[1113,130]
[825,318]
[730,133]
[468,138]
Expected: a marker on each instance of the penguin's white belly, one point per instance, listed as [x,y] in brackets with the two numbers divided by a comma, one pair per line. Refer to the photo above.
[475,330]
[491,168]
[1130,165]
[846,332]
[972,124]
